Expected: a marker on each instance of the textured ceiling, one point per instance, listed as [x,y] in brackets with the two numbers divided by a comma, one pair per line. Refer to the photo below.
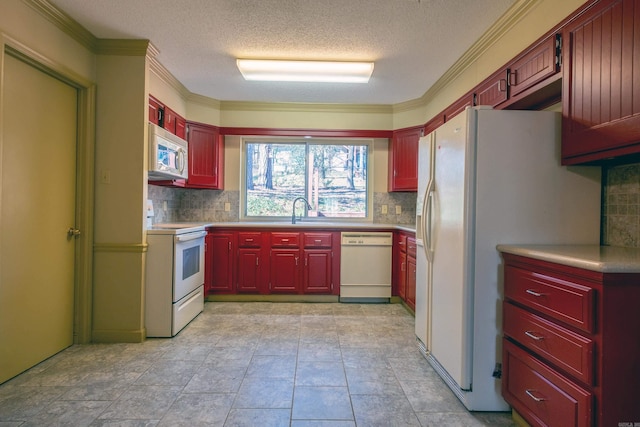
[412,42]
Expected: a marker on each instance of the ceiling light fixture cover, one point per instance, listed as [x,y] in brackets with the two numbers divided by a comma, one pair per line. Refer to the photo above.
[305,71]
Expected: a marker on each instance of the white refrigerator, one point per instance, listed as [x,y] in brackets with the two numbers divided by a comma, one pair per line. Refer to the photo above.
[488,177]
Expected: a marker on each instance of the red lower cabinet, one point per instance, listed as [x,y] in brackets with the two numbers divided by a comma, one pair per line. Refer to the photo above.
[540,394]
[571,347]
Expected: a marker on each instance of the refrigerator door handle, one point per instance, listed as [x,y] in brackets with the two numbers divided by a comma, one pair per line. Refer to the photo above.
[427,217]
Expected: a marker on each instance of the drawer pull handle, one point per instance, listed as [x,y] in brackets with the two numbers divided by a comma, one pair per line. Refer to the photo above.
[318,241]
[249,240]
[533,396]
[534,293]
[533,336]
[285,240]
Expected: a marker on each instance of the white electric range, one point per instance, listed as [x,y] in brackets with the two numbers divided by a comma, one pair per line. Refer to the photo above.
[174,293]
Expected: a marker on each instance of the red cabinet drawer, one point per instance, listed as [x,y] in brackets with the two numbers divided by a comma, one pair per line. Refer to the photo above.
[565,301]
[289,240]
[411,246]
[565,349]
[249,239]
[541,395]
[317,240]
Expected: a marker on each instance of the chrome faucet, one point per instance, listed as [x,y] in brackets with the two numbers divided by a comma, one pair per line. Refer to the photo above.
[293,215]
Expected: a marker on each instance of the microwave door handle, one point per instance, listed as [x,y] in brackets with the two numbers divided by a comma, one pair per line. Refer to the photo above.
[181,160]
[190,236]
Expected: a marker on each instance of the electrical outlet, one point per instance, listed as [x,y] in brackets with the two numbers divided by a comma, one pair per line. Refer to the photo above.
[398,209]
[227,207]
[164,205]
[384,209]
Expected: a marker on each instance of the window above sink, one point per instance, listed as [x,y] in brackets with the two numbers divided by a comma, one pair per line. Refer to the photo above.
[334,175]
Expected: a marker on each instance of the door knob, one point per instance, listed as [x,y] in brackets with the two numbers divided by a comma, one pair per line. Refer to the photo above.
[73,232]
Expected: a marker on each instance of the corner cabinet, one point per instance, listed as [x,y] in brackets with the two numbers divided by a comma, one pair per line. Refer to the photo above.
[601,83]
[570,346]
[403,159]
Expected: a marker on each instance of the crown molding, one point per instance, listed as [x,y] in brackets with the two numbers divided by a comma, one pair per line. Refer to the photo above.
[204,100]
[305,107]
[64,22]
[510,18]
[165,75]
[122,47]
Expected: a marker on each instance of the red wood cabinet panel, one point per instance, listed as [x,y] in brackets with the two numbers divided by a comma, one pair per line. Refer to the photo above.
[559,356]
[180,127]
[536,64]
[285,270]
[567,350]
[411,282]
[221,250]
[561,299]
[403,159]
[458,107]
[317,271]
[433,124]
[601,83]
[542,396]
[169,120]
[155,110]
[494,90]
[249,270]
[205,156]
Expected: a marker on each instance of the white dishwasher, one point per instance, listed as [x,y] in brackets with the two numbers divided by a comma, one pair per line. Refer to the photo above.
[365,266]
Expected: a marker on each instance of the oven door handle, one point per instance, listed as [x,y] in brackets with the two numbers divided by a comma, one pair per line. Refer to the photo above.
[190,236]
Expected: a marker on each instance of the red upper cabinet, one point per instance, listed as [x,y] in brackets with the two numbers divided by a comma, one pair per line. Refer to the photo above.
[494,90]
[535,65]
[155,110]
[601,83]
[206,151]
[403,159]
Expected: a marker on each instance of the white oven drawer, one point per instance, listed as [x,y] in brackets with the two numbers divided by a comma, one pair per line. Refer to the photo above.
[186,309]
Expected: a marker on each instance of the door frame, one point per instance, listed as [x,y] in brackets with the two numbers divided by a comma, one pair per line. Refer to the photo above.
[85,167]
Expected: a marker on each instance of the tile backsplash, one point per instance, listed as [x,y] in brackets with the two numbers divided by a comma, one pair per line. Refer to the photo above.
[209,206]
[620,206]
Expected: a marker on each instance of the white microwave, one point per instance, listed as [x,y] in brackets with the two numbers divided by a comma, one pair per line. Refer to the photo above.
[168,155]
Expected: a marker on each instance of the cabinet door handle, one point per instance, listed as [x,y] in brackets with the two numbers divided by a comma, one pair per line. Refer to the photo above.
[502,85]
[534,293]
[513,80]
[533,336]
[229,245]
[533,396]
[257,261]
[296,261]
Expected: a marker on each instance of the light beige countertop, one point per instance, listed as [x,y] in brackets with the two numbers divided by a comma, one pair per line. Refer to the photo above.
[605,259]
[315,225]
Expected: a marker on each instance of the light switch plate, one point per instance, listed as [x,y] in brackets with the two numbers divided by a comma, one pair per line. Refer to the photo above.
[384,209]
[227,206]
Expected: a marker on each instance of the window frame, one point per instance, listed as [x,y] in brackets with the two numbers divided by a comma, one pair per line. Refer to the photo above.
[306,140]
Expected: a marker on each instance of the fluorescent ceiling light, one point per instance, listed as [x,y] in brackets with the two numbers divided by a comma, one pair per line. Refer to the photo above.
[305,71]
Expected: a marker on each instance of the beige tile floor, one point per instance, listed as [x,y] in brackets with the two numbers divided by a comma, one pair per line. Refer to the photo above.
[248,364]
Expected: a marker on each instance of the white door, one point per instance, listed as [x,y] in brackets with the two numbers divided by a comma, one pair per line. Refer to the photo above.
[449,314]
[38,197]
